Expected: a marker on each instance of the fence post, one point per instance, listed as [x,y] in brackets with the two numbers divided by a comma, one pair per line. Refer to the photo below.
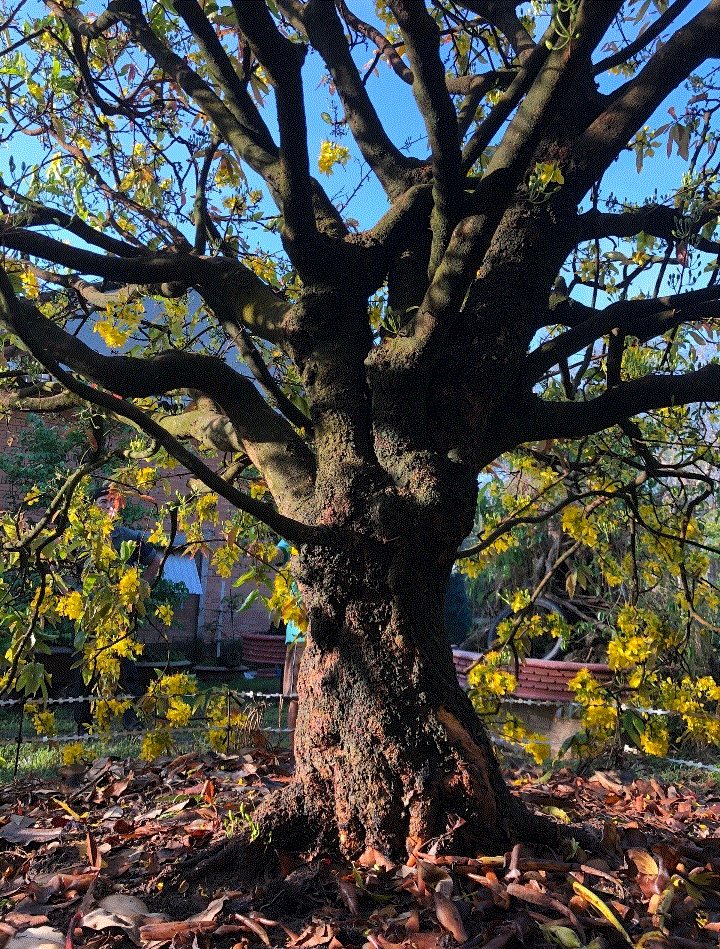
[19,736]
[227,740]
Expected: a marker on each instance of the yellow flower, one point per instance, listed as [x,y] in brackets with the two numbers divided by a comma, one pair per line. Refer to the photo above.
[470,568]
[549,172]
[627,652]
[264,268]
[654,742]
[257,490]
[31,287]
[332,154]
[112,336]
[520,601]
[577,526]
[145,477]
[155,744]
[44,723]
[73,752]
[165,613]
[600,717]
[71,605]
[224,560]
[33,496]
[179,713]
[540,751]
[206,507]
[129,586]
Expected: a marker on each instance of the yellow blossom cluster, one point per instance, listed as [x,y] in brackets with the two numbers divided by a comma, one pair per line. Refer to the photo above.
[206,508]
[156,743]
[74,752]
[129,587]
[229,725]
[332,154]
[654,739]
[44,723]
[628,651]
[165,613]
[576,524]
[286,602]
[264,267]
[599,719]
[225,558]
[122,319]
[71,605]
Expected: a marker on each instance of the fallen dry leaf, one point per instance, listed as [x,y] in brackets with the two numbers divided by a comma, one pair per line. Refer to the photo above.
[121,911]
[37,937]
[449,917]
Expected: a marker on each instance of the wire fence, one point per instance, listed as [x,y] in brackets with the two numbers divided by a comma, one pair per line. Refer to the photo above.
[234,699]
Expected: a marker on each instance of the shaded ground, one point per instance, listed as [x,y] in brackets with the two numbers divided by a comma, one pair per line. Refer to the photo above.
[84,860]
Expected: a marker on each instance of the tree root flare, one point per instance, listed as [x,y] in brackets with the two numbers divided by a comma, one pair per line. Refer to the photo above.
[279,823]
[529,827]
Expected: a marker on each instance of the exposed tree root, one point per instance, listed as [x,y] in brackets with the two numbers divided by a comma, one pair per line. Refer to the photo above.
[529,827]
[280,822]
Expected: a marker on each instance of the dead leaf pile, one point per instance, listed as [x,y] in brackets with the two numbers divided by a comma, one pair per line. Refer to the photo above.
[84,859]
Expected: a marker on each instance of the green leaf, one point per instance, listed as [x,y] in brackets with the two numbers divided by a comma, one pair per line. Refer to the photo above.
[248,601]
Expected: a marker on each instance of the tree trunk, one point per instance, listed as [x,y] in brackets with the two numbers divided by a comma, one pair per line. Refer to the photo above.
[389,751]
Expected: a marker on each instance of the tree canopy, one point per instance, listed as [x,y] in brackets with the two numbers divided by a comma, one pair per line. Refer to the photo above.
[212,232]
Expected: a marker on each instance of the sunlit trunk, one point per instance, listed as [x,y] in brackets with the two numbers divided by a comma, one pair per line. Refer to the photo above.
[389,752]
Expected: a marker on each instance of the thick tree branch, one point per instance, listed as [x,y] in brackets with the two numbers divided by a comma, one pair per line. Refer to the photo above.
[396,230]
[281,457]
[80,55]
[248,143]
[209,427]
[422,39]
[563,68]
[636,101]
[80,24]
[502,14]
[255,363]
[221,282]
[383,44]
[641,318]
[476,88]
[200,204]
[22,400]
[325,32]
[544,419]
[223,73]
[282,61]
[626,54]
[273,167]
[491,125]
[656,219]
[37,215]
[419,341]
[89,293]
